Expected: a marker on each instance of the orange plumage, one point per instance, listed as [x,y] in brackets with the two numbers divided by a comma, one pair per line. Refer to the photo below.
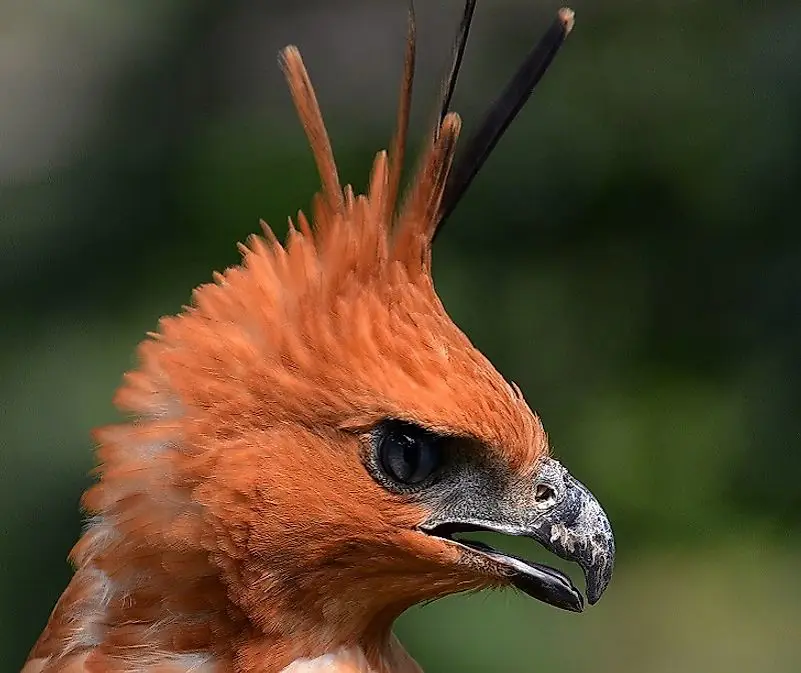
[248,517]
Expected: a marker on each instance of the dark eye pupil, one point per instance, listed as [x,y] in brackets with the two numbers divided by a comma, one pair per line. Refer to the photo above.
[411,454]
[408,454]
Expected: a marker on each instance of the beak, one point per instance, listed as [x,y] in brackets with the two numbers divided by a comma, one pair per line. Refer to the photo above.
[575,527]
[562,515]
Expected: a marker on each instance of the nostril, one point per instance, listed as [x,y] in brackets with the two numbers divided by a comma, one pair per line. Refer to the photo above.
[544,496]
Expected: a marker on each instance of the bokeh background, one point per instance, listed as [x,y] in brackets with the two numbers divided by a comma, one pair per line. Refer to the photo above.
[631,255]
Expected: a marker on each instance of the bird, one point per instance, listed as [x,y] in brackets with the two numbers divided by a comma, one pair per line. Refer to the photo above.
[308,445]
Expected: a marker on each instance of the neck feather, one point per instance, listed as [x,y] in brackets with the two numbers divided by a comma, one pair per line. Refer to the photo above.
[172,612]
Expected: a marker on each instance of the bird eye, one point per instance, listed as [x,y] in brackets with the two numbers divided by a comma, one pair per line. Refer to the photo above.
[409,454]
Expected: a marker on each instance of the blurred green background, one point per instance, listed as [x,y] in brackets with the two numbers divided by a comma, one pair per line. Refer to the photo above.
[631,256]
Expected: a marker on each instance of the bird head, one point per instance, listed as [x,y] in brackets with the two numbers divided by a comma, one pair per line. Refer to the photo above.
[309,436]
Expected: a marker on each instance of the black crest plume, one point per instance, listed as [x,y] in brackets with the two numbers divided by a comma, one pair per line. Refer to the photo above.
[503,111]
[443,177]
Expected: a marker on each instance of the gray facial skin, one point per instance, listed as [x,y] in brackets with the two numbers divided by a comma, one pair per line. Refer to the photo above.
[553,508]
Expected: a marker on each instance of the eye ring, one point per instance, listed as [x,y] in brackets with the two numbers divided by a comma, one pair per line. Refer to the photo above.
[408,455]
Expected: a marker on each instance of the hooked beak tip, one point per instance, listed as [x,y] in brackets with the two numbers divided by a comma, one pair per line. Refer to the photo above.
[597,579]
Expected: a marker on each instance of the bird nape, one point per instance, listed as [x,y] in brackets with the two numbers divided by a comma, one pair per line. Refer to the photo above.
[310,435]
